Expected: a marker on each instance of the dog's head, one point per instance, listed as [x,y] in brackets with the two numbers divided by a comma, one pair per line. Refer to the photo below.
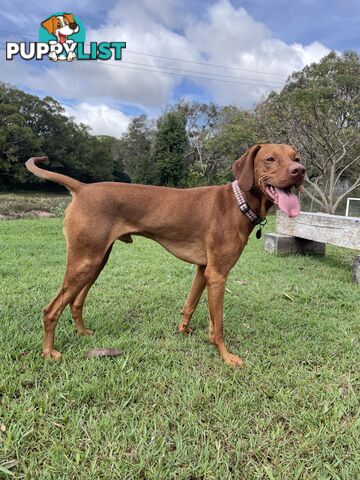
[274,171]
[61,26]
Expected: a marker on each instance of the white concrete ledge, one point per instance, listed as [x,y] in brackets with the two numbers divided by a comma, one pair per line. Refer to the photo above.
[321,227]
[286,245]
[310,232]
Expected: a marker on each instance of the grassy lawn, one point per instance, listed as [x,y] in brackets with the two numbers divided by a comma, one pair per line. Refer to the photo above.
[169,408]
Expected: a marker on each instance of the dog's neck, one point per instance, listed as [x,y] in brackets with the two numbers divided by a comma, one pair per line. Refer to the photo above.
[258,202]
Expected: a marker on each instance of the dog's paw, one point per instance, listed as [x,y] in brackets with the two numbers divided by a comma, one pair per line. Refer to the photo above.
[185,330]
[233,360]
[85,333]
[71,56]
[53,56]
[52,355]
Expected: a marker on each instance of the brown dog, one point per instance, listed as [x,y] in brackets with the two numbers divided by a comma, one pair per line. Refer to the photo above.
[202,225]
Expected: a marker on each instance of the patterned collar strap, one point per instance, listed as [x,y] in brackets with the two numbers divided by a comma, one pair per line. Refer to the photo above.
[244,207]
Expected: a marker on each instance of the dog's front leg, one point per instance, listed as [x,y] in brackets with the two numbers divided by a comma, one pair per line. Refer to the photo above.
[215,282]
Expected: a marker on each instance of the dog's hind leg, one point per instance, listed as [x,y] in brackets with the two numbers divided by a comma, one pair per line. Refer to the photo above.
[83,264]
[192,300]
[77,305]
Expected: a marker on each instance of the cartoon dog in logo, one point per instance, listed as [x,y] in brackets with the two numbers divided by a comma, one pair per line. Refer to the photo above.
[62,27]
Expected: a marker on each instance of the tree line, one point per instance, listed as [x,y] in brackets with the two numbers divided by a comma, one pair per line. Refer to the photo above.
[31,126]
[194,144]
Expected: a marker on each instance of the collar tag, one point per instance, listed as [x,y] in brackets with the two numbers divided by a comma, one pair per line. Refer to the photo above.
[261,226]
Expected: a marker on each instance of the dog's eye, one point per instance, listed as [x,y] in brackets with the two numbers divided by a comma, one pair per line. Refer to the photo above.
[270,159]
[59,25]
[297,159]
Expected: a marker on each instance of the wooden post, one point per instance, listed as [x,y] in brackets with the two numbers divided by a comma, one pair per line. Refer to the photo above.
[356,270]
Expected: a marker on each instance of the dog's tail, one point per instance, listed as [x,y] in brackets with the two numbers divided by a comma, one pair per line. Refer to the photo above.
[68,182]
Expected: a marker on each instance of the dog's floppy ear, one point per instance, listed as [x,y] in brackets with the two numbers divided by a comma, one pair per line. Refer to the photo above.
[69,17]
[50,24]
[243,168]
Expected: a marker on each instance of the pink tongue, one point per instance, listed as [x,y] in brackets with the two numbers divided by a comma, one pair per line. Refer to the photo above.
[288,202]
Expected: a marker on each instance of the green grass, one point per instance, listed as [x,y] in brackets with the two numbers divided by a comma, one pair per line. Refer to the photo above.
[170,408]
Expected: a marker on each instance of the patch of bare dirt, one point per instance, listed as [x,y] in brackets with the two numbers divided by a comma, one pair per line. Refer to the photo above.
[30,214]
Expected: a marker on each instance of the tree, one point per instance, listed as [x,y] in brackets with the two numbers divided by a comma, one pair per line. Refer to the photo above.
[235,131]
[17,141]
[111,145]
[30,126]
[318,111]
[135,150]
[201,120]
[169,149]
[216,137]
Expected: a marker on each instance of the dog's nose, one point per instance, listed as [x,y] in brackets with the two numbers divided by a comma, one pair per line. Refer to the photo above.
[297,169]
[73,26]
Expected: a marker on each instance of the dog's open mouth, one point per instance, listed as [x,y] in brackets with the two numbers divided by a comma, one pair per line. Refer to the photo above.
[284,198]
[62,38]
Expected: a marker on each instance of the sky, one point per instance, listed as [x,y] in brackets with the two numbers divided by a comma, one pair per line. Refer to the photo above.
[222,51]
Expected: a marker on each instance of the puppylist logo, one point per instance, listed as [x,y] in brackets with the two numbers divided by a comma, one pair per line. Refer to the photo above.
[62,37]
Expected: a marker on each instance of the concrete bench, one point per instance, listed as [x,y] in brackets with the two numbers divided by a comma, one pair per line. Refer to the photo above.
[310,232]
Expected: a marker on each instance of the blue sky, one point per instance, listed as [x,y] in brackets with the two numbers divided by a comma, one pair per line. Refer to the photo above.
[255,44]
[333,23]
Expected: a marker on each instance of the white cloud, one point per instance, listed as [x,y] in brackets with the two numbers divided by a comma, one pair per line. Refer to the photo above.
[310,53]
[171,14]
[230,36]
[103,119]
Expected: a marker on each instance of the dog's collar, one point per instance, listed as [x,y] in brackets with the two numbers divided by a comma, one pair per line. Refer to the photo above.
[244,207]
